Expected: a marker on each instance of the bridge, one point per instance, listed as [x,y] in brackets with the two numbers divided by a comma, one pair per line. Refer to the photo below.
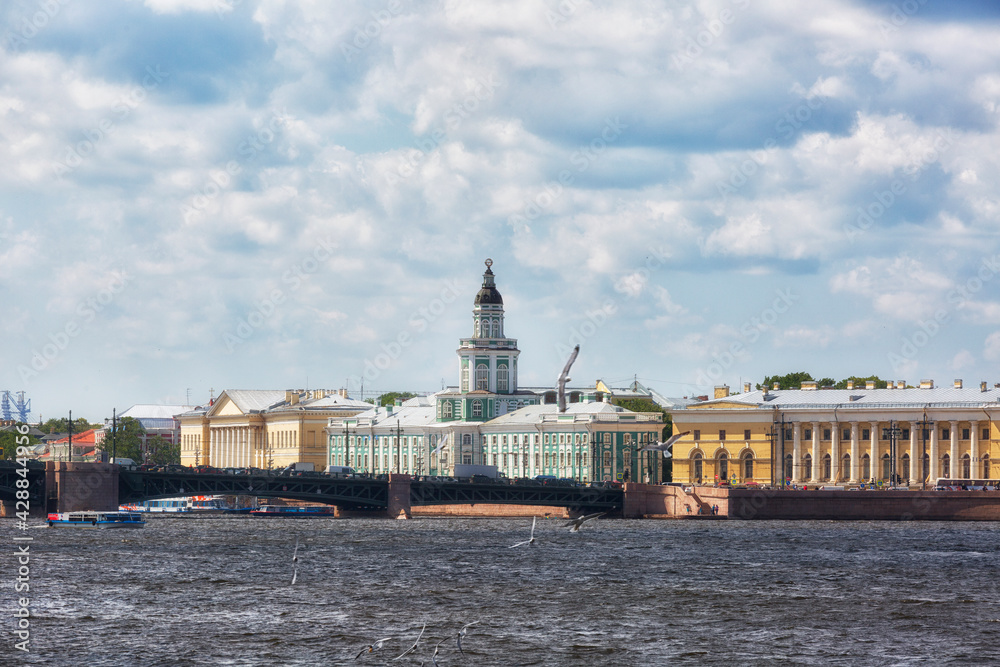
[75,486]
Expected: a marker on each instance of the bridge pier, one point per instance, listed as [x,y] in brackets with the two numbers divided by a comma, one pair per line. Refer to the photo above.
[72,487]
[399,496]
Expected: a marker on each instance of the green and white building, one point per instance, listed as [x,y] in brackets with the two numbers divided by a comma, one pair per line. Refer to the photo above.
[487,419]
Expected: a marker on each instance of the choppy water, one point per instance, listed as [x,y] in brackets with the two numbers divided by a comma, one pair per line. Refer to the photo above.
[216,590]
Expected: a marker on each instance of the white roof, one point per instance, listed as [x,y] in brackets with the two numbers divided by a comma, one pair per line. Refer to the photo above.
[149,411]
[865,398]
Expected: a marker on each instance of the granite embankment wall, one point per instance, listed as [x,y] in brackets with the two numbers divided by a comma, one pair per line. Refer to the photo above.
[644,501]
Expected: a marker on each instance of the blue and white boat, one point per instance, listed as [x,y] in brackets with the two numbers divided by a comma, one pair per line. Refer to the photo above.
[110,519]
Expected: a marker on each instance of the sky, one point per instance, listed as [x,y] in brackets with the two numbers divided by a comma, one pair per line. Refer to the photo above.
[199,195]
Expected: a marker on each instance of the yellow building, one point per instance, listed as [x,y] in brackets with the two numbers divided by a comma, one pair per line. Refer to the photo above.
[263,428]
[840,436]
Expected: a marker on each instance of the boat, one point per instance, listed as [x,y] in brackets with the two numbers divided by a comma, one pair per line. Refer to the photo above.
[180,504]
[110,519]
[300,511]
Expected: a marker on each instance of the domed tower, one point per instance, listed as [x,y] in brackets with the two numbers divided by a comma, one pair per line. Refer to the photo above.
[488,360]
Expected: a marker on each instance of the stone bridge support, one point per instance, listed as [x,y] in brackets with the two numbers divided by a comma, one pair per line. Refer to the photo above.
[72,487]
[399,496]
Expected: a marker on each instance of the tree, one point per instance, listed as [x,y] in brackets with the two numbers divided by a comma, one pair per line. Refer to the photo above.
[125,440]
[859,382]
[161,452]
[390,398]
[8,441]
[647,405]
[788,381]
[61,425]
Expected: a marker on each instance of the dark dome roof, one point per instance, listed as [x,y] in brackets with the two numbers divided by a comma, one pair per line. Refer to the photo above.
[488,293]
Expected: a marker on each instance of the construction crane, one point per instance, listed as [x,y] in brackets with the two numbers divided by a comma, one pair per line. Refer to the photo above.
[12,404]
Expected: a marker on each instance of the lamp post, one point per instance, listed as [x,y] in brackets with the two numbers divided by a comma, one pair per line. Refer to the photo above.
[347,444]
[69,449]
[891,433]
[114,426]
[924,470]
[399,445]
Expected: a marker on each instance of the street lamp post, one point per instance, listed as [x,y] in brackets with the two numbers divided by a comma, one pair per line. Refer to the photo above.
[924,470]
[347,444]
[114,426]
[399,445]
[891,433]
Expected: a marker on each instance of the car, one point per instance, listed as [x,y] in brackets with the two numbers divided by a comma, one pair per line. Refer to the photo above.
[208,470]
[147,467]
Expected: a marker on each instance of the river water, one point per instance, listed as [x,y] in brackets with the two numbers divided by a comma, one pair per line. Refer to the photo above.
[217,591]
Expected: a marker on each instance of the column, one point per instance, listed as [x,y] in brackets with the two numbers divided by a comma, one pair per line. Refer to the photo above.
[855,454]
[873,449]
[935,467]
[796,453]
[814,476]
[955,471]
[976,465]
[834,452]
[914,454]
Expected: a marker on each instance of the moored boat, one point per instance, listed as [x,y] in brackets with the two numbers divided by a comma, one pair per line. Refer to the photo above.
[300,511]
[109,519]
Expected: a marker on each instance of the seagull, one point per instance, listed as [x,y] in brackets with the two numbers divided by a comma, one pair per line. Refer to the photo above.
[295,575]
[295,554]
[577,522]
[371,648]
[530,540]
[434,656]
[414,647]
[664,446]
[463,632]
[564,378]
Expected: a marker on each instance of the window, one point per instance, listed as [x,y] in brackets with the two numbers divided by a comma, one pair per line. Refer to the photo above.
[496,329]
[447,409]
[607,460]
[808,434]
[538,458]
[847,434]
[966,467]
[788,434]
[482,377]
[722,434]
[807,466]
[607,438]
[627,458]
[697,434]
[965,434]
[495,459]
[467,439]
[723,466]
[748,467]
[477,408]
[465,379]
[505,460]
[945,434]
[788,467]
[845,467]
[826,434]
[866,434]
[826,467]
[697,467]
[906,434]
[986,434]
[866,467]
[746,434]
[986,467]
[502,378]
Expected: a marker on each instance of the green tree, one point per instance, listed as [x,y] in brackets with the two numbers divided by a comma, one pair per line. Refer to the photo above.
[859,382]
[390,398]
[61,425]
[125,440]
[8,440]
[647,405]
[788,381]
[161,452]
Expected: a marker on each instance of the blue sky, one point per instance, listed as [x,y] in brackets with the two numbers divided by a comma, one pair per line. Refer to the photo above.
[211,194]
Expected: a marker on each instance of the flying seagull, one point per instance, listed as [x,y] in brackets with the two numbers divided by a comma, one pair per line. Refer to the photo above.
[530,540]
[444,441]
[371,648]
[564,378]
[414,647]
[577,522]
[437,647]
[295,559]
[664,446]
[462,633]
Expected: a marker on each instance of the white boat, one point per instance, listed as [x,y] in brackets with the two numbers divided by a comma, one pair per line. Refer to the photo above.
[181,504]
[109,519]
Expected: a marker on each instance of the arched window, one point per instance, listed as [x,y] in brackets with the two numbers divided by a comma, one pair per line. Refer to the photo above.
[748,467]
[866,467]
[845,467]
[502,379]
[904,468]
[447,409]
[697,467]
[496,329]
[723,467]
[826,467]
[483,377]
[966,467]
[477,408]
[484,329]
[607,460]
[788,467]
[467,439]
[986,467]
[946,466]
[886,466]
[807,467]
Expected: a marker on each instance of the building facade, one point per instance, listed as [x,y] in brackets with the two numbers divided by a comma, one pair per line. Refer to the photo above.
[488,420]
[904,435]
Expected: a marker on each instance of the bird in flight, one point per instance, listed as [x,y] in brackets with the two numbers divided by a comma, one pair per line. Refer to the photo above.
[371,648]
[531,539]
[574,524]
[295,560]
[664,446]
[414,647]
[462,633]
[564,378]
